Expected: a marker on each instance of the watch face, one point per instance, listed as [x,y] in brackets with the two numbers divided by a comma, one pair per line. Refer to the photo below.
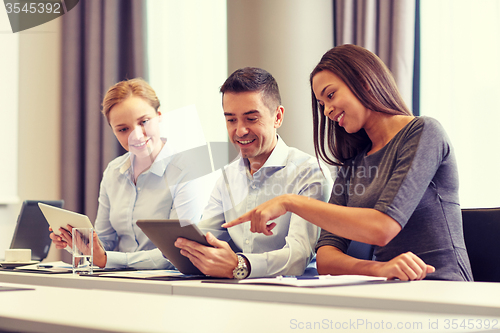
[241,271]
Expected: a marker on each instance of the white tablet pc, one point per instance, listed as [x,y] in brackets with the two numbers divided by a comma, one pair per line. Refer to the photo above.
[60,218]
[164,233]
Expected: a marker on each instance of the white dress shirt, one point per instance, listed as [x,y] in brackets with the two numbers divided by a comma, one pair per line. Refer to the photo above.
[291,247]
[161,192]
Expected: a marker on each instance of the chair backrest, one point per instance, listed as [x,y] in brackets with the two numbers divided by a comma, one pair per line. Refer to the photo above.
[482,238]
[360,250]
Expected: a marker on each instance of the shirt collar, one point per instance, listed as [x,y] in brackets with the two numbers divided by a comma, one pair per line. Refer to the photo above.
[277,159]
[278,156]
[159,164]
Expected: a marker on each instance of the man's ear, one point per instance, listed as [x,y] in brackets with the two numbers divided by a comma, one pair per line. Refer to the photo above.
[278,116]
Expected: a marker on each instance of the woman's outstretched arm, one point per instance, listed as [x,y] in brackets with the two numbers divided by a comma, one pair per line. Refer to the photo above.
[361,224]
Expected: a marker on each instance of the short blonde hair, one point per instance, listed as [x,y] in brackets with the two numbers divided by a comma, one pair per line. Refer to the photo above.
[124,89]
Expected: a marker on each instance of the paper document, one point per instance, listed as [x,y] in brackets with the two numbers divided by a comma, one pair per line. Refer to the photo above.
[56,266]
[314,281]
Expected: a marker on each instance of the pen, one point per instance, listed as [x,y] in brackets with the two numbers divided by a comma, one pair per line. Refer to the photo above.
[300,277]
[307,277]
[43,266]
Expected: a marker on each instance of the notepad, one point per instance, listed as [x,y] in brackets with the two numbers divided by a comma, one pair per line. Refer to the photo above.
[144,274]
[315,281]
[48,267]
[161,275]
[3,288]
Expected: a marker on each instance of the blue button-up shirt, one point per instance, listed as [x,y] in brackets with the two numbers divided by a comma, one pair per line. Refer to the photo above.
[161,192]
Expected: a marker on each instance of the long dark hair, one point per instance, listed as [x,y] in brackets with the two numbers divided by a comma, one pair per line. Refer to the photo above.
[373,85]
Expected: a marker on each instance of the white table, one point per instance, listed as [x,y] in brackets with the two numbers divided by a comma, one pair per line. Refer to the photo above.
[473,298]
[70,281]
[447,297]
[54,309]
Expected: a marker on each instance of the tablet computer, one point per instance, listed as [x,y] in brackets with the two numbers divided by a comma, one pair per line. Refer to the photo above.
[59,218]
[164,233]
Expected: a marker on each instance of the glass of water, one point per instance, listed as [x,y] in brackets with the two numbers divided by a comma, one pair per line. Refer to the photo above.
[83,250]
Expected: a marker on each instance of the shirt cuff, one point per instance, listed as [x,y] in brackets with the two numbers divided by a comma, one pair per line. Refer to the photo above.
[116,259]
[149,259]
[258,264]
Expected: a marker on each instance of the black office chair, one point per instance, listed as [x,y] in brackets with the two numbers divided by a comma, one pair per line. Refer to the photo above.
[482,238]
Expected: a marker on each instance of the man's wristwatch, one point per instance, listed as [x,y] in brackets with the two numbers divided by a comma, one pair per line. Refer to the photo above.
[242,270]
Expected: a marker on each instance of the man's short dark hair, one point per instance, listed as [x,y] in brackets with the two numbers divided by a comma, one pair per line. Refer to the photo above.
[251,79]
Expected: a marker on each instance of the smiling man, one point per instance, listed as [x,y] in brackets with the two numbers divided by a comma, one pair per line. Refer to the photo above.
[265,168]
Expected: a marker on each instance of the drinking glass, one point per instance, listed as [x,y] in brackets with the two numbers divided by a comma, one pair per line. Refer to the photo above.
[83,250]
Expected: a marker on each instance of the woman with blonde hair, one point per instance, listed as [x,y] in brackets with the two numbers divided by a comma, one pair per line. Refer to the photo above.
[150,181]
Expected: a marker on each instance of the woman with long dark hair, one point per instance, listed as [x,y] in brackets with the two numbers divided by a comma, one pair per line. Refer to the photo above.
[397,179]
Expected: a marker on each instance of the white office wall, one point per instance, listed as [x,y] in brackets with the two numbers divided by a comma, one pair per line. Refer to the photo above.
[36,75]
[460,70]
[40,112]
[8,112]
